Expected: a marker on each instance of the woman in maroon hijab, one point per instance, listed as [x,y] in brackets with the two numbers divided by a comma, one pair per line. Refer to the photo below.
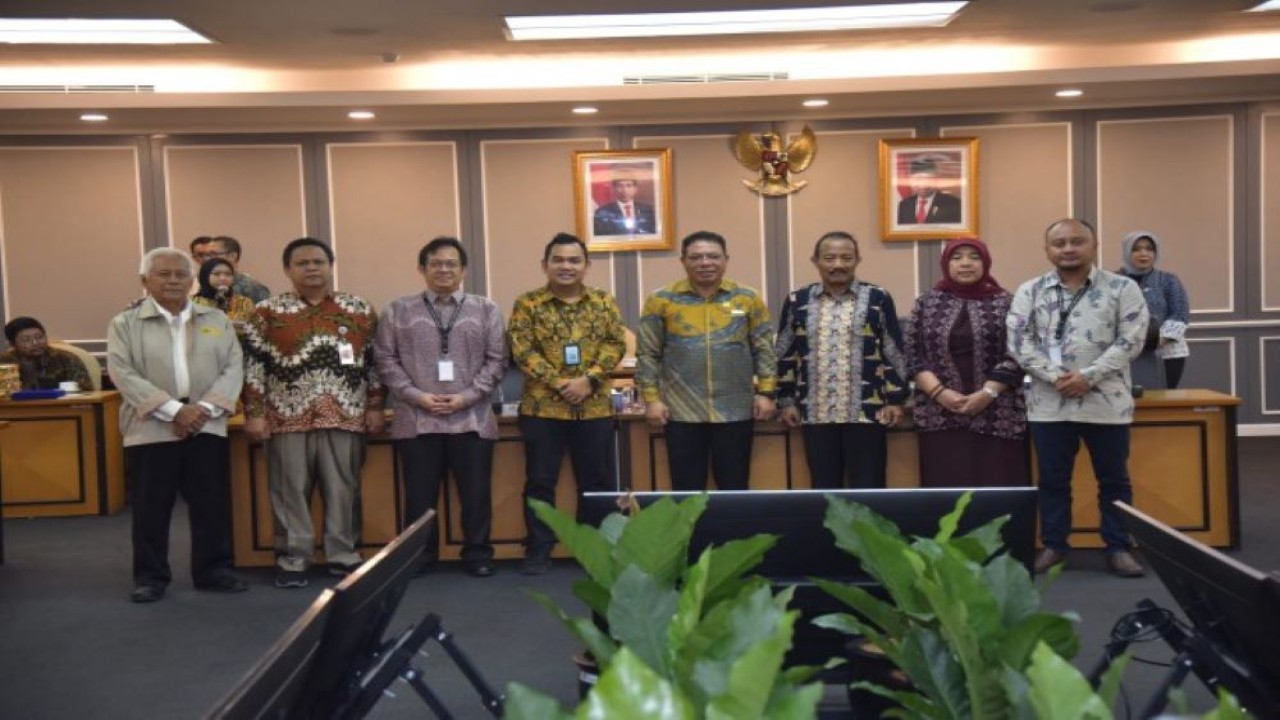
[969,409]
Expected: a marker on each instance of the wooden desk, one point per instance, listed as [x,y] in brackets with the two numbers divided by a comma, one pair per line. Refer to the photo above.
[382,499]
[1182,462]
[63,457]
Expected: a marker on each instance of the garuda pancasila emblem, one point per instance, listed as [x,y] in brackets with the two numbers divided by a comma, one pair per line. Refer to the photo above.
[764,154]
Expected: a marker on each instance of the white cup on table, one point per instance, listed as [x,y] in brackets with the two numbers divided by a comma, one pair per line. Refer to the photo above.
[69,386]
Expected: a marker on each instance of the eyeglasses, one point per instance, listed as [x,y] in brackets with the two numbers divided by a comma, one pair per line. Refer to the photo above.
[444,264]
[37,339]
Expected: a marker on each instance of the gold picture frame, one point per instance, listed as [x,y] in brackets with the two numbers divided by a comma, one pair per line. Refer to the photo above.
[622,199]
[928,188]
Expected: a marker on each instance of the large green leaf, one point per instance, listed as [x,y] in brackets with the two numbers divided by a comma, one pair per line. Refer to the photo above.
[933,669]
[1011,586]
[612,527]
[1059,692]
[642,607]
[882,614]
[524,703]
[656,540]
[968,619]
[947,525]
[752,675]
[601,646]
[630,690]
[592,594]
[987,536]
[589,547]
[688,613]
[1056,631]
[726,632]
[731,561]
[794,702]
[879,547]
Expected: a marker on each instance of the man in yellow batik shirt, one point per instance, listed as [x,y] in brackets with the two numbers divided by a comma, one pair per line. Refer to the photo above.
[701,341]
[566,338]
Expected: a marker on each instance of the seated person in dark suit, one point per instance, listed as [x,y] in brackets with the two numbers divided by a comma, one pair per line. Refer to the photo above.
[625,215]
[927,205]
[40,366]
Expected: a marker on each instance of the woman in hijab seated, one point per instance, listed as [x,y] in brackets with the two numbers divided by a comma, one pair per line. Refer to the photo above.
[1165,353]
[40,366]
[216,278]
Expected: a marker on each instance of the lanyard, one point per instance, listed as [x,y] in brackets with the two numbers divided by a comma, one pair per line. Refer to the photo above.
[441,327]
[1061,328]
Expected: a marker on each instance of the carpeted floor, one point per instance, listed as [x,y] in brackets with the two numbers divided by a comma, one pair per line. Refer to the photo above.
[72,646]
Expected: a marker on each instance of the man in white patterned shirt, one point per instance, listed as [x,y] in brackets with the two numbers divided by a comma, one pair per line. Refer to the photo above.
[1074,330]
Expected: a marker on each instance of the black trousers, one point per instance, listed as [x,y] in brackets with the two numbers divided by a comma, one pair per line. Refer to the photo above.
[591,450]
[469,457]
[846,455]
[726,446]
[198,469]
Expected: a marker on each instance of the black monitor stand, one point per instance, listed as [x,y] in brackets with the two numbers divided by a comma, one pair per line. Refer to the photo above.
[397,661]
[1194,654]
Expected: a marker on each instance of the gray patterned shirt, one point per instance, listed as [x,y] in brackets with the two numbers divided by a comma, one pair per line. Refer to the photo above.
[1099,337]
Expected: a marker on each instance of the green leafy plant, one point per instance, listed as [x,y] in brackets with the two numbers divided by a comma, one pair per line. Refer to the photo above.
[700,640]
[962,622]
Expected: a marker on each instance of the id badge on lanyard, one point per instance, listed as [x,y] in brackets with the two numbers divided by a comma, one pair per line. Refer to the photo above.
[572,355]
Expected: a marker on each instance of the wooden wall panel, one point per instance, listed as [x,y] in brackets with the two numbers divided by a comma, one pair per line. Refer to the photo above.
[1173,177]
[528,198]
[843,194]
[253,193]
[1269,241]
[386,201]
[709,195]
[71,236]
[1024,183]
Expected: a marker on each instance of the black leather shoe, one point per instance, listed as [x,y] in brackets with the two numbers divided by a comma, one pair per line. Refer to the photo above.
[536,564]
[1047,558]
[224,582]
[481,570]
[1123,564]
[146,594]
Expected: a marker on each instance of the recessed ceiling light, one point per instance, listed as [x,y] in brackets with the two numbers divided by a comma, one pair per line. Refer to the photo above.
[816,103]
[361,115]
[1268,6]
[93,117]
[1069,93]
[72,31]
[733,22]
[585,110]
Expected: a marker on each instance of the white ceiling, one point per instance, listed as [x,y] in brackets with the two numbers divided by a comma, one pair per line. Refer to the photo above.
[301,64]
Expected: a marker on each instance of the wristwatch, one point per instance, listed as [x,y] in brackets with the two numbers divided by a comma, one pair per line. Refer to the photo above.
[991,393]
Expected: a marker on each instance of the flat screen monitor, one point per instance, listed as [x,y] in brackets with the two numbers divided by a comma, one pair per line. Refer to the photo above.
[807,549]
[362,608]
[1234,606]
[271,688]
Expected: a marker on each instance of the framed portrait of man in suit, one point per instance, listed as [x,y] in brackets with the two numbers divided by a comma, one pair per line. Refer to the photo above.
[622,199]
[928,188]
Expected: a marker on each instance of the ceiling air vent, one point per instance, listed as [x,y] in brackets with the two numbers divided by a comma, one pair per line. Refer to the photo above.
[702,79]
[77,89]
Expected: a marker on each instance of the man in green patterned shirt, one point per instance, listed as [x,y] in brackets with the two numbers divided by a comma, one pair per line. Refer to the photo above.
[566,338]
[701,340]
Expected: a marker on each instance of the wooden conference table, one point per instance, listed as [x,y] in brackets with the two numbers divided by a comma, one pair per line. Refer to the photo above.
[1183,464]
[63,457]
